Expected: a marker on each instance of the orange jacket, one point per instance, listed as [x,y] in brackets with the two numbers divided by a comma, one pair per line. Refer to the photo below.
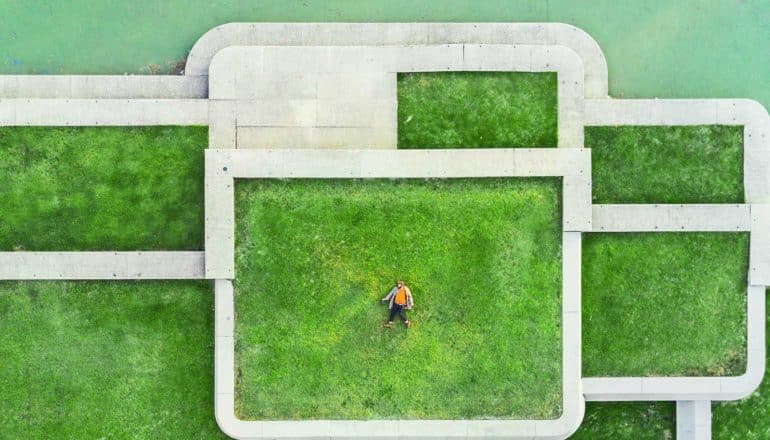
[391,296]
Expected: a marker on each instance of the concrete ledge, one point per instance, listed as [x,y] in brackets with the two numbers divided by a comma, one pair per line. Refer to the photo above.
[449,163]
[611,389]
[399,34]
[693,419]
[671,218]
[571,270]
[103,86]
[101,265]
[576,206]
[651,112]
[759,253]
[92,112]
[224,304]
[219,219]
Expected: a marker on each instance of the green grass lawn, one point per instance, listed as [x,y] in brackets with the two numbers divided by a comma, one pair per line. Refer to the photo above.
[101,188]
[482,258]
[627,421]
[88,360]
[694,164]
[477,109]
[670,304]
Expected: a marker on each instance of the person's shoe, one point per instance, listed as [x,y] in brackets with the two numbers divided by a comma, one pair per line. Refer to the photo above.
[407,324]
[388,325]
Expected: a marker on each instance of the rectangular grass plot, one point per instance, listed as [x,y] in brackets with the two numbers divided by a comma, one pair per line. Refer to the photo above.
[482,258]
[477,109]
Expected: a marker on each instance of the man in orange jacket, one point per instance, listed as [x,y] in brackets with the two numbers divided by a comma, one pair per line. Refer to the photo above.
[400,299]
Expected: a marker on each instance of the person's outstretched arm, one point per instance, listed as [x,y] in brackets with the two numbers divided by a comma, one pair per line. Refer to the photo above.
[391,293]
[409,299]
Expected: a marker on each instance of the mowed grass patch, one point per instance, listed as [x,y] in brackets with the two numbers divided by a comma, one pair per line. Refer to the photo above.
[101,188]
[627,421]
[482,258]
[106,360]
[664,304]
[693,164]
[477,109]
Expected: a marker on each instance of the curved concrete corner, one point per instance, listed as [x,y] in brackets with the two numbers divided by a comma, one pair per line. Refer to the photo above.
[402,34]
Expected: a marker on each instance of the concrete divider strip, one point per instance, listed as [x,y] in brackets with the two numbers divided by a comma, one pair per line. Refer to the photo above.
[671,218]
[101,265]
[103,112]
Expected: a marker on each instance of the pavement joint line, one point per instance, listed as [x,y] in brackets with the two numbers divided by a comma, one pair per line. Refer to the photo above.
[581,68]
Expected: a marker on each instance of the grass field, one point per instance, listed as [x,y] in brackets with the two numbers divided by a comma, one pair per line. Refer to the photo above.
[106,360]
[101,188]
[476,109]
[694,164]
[482,258]
[665,304]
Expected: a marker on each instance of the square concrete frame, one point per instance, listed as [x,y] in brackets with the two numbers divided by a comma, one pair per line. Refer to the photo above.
[224,166]
[754,216]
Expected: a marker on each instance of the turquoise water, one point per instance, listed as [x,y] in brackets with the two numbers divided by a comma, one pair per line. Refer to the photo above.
[654,48]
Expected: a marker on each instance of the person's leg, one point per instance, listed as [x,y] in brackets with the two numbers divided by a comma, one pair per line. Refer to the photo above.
[392,315]
[403,317]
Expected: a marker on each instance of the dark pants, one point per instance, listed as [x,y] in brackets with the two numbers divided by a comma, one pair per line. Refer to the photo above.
[397,309]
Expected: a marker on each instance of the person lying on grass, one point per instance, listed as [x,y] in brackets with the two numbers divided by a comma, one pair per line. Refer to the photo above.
[400,298]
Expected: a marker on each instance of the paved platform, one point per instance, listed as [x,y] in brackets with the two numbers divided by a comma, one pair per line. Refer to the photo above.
[345,96]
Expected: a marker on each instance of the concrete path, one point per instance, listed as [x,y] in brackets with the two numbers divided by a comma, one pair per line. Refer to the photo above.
[101,265]
[693,420]
[104,112]
[103,86]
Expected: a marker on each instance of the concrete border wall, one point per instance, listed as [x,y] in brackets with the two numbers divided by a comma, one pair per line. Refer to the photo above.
[103,112]
[103,86]
[156,265]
